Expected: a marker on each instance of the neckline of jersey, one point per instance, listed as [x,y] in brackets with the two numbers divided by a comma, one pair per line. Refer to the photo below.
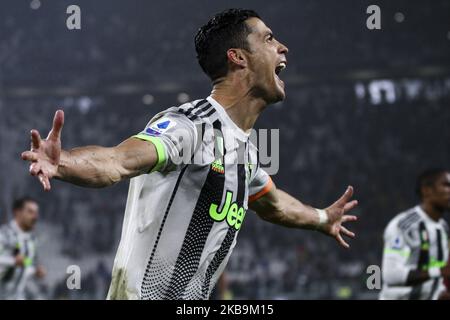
[426,216]
[15,226]
[223,113]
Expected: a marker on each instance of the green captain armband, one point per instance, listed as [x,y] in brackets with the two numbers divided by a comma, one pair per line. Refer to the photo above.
[27,262]
[160,150]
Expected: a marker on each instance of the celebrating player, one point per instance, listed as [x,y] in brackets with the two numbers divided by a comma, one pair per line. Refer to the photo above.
[194,170]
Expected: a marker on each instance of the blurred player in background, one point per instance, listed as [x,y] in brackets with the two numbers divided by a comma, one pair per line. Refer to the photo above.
[18,258]
[195,171]
[416,243]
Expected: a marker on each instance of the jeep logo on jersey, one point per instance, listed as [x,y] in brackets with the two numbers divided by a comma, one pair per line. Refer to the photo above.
[230,211]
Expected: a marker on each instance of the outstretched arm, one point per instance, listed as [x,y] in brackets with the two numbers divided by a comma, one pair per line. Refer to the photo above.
[91,166]
[279,207]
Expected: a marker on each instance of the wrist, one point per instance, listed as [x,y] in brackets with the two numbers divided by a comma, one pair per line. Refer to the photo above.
[323,217]
[62,165]
[58,174]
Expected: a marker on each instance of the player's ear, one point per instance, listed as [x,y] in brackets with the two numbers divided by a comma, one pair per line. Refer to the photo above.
[237,57]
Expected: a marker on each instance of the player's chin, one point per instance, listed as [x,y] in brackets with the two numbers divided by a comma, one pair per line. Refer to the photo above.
[279,94]
[276,97]
[445,206]
[274,92]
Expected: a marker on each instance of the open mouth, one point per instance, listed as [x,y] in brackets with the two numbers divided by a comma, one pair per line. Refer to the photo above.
[280,67]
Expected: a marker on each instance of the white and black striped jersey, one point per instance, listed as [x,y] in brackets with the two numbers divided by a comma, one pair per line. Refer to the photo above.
[413,241]
[13,279]
[182,219]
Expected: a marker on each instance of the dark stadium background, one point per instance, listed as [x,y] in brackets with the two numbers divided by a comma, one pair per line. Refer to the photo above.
[367,108]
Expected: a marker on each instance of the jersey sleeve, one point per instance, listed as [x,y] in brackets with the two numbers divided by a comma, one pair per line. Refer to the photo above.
[174,137]
[396,253]
[260,184]
[6,258]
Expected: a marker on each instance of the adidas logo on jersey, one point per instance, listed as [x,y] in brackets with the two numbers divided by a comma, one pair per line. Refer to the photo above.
[217,166]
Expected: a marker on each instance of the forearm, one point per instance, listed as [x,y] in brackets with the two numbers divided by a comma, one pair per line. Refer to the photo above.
[290,212]
[419,276]
[416,277]
[90,166]
[296,214]
[396,274]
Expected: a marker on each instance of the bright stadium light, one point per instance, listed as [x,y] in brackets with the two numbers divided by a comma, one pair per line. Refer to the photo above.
[35,4]
[183,97]
[399,17]
[147,99]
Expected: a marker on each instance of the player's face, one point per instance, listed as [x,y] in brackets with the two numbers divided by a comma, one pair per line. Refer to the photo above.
[266,59]
[440,192]
[28,215]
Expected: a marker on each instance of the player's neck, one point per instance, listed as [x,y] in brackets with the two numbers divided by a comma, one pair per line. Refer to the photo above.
[20,226]
[241,106]
[433,212]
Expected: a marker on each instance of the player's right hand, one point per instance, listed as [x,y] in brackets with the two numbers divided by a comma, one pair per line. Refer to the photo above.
[44,155]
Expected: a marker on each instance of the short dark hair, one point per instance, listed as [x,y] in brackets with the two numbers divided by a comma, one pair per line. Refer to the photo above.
[428,178]
[20,202]
[225,30]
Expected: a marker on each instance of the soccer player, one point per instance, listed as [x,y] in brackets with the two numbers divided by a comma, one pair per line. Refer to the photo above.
[18,259]
[194,170]
[416,243]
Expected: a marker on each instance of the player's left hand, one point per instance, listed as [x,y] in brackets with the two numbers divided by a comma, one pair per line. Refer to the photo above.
[337,216]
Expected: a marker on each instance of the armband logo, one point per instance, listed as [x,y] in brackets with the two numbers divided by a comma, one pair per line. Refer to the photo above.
[397,243]
[160,126]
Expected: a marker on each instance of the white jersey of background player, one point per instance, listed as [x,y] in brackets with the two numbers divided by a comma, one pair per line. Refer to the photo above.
[18,258]
[416,244]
